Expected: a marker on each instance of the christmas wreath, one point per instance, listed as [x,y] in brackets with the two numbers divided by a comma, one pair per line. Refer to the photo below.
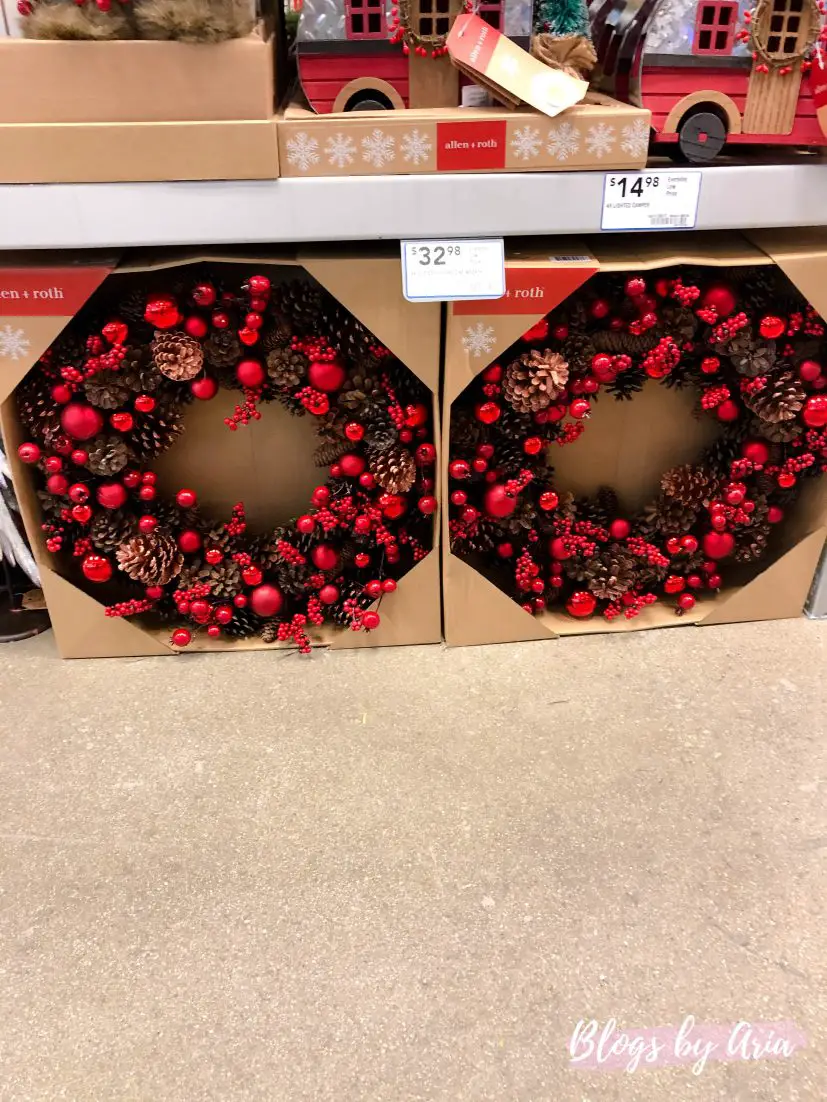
[107,398]
[754,351]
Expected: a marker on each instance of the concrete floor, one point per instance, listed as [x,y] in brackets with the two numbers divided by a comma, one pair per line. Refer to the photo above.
[406,874]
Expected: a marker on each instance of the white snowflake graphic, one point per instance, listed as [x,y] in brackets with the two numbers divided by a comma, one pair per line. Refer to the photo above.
[563,141]
[478,338]
[13,343]
[378,149]
[635,139]
[416,147]
[340,150]
[600,139]
[303,151]
[526,143]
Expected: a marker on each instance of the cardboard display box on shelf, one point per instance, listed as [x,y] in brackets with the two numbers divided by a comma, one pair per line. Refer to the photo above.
[268,464]
[628,444]
[137,110]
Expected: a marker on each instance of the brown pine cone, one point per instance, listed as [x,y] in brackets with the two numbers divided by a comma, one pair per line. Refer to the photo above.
[780,400]
[276,332]
[300,302]
[151,559]
[108,455]
[394,469]
[346,333]
[620,343]
[154,432]
[753,542]
[601,509]
[36,407]
[782,432]
[243,624]
[222,348]
[359,390]
[534,380]
[680,323]
[665,517]
[750,356]
[329,450]
[286,367]
[132,307]
[138,372]
[611,574]
[691,487]
[177,355]
[578,351]
[111,528]
[223,578]
[269,633]
[69,350]
[107,390]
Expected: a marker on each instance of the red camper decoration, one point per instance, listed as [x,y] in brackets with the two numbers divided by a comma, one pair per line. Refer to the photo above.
[715,72]
[370,55]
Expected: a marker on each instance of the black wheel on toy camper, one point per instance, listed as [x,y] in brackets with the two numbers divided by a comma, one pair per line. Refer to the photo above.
[701,137]
[369,100]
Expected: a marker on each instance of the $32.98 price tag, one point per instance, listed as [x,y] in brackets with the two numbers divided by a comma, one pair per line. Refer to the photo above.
[451,269]
[651,200]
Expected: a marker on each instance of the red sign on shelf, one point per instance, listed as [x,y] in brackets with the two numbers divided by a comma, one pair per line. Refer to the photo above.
[47,292]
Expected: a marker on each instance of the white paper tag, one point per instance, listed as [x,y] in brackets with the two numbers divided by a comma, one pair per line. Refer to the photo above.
[666,200]
[448,269]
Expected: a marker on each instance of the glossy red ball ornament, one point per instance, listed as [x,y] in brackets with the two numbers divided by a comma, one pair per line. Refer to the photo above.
[196,327]
[362,525]
[695,581]
[81,421]
[147,493]
[181,637]
[533,445]
[250,374]
[111,495]
[599,308]
[144,403]
[416,415]
[498,503]
[204,389]
[728,411]
[335,470]
[61,394]
[324,556]
[204,294]
[459,497]
[82,514]
[686,601]
[549,500]
[487,412]
[479,464]
[710,365]
[328,594]
[814,413]
[79,457]
[259,285]
[186,499]
[718,545]
[393,505]
[362,559]
[214,556]
[389,585]
[147,524]
[96,568]
[79,493]
[427,505]
[735,495]
[425,455]
[557,549]
[775,514]
[320,496]
[224,614]
[29,453]
[162,312]
[469,515]
[122,422]
[266,600]
[620,528]
[674,584]
[154,592]
[786,480]
[52,464]
[253,320]
[189,541]
[213,631]
[354,431]
[370,621]
[200,610]
[560,332]
[537,332]
[326,375]
[251,575]
[635,286]
[809,371]
[57,484]
[248,336]
[756,451]
[505,550]
[352,465]
[772,327]
[220,320]
[721,298]
[579,408]
[714,581]
[131,479]
[689,544]
[581,604]
[373,588]
[673,545]
[458,468]
[305,524]
[493,374]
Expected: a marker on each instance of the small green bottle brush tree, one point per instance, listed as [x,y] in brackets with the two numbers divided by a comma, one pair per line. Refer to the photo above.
[562,36]
[105,20]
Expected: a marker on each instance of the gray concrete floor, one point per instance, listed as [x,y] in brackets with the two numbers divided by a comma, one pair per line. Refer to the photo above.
[406,874]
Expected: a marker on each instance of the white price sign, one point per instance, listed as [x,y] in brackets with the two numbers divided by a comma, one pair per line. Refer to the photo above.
[665,200]
[451,269]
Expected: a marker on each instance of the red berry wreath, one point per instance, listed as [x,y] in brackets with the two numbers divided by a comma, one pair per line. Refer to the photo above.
[755,352]
[106,399]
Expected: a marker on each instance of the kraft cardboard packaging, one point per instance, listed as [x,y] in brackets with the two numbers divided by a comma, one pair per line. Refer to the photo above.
[268,465]
[627,444]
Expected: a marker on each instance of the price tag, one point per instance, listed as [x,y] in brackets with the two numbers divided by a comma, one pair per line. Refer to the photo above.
[651,200]
[452,269]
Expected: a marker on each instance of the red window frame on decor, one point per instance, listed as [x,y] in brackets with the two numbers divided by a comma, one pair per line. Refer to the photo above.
[715,27]
[365,19]
[492,12]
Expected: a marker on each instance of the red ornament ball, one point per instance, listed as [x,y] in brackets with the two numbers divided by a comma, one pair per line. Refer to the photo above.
[487,412]
[251,575]
[53,464]
[354,431]
[370,621]
[557,549]
[549,500]
[728,411]
[82,514]
[305,524]
[581,604]
[250,374]
[214,556]
[772,327]
[266,600]
[537,332]
[579,408]
[147,493]
[189,541]
[425,455]
[533,445]
[814,414]
[721,298]
[809,371]
[620,529]
[79,457]
[505,550]
[200,610]
[162,312]
[79,493]
[756,451]
[786,480]
[775,514]
[498,503]
[213,631]
[186,499]
[196,327]
[718,545]
[204,294]
[61,394]
[686,601]
[97,568]
[674,584]
[29,453]
[327,375]
[204,389]
[144,403]
[147,524]
[427,505]
[122,422]
[57,484]
[181,637]
[635,286]
[81,421]
[224,614]
[362,559]
[325,556]
[111,495]
[458,468]
[328,594]
[599,308]
[352,465]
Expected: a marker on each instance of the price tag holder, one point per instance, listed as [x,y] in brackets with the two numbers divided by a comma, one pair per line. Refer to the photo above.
[666,200]
[450,269]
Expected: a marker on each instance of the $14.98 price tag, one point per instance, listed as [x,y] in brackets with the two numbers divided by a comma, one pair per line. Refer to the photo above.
[651,200]
[450,269]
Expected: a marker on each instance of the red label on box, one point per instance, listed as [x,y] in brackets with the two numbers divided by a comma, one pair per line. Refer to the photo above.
[47,292]
[531,291]
[472,42]
[462,146]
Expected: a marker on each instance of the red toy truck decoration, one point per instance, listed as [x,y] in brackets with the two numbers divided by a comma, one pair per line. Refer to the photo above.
[713,72]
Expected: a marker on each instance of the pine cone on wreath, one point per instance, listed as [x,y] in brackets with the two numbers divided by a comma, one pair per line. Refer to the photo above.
[153,433]
[782,432]
[780,400]
[132,307]
[753,542]
[578,351]
[680,323]
[727,447]
[611,574]
[110,528]
[277,331]
[690,486]
[292,578]
[300,301]
[361,390]
[749,355]
[533,381]
[152,558]
[69,350]
[223,578]
[177,355]
[509,457]
[601,509]
[346,332]
[138,372]
[620,343]
[270,632]
[36,408]
[665,517]
[108,455]
[286,367]
[222,349]
[243,624]
[380,434]
[107,390]
[394,469]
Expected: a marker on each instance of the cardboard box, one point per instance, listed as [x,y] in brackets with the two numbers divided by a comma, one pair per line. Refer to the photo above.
[599,133]
[639,439]
[269,464]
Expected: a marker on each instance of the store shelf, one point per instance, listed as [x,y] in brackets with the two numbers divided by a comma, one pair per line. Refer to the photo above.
[61,216]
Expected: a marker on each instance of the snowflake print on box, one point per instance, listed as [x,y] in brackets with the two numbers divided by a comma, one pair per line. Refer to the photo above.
[13,343]
[478,339]
[526,143]
[378,149]
[340,150]
[600,139]
[634,139]
[416,148]
[563,141]
[303,151]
